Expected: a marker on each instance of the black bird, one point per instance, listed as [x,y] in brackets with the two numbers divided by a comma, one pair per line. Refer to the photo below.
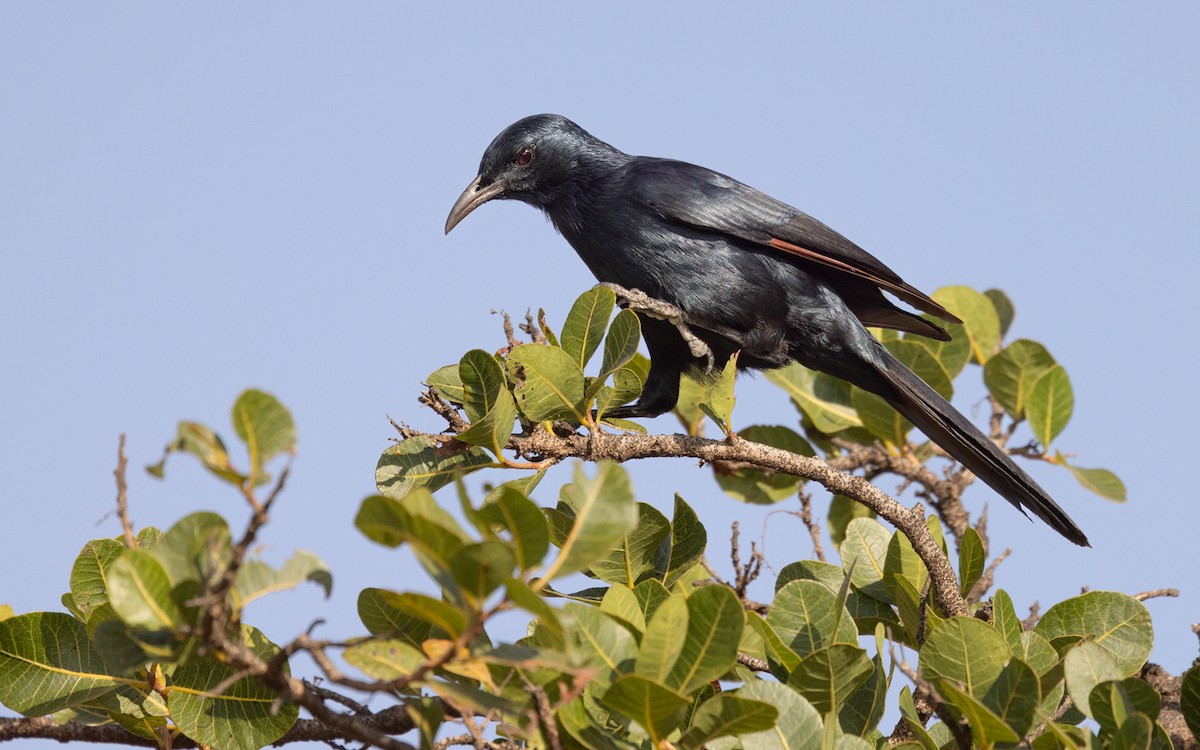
[752,275]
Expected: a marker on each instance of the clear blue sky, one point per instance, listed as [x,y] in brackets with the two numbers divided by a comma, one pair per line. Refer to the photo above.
[198,198]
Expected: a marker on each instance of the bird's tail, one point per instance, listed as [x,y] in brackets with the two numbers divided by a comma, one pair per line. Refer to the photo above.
[944,425]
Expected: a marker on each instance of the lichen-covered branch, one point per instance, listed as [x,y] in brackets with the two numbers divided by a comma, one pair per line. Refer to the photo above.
[620,448]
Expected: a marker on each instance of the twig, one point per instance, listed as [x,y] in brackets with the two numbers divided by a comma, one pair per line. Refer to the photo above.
[122,498]
[814,530]
[545,713]
[444,409]
[509,334]
[1156,593]
[986,580]
[750,662]
[330,695]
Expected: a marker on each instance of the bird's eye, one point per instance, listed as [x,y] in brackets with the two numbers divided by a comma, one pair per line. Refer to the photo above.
[524,156]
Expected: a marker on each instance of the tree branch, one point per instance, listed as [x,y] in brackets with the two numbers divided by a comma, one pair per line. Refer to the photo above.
[620,448]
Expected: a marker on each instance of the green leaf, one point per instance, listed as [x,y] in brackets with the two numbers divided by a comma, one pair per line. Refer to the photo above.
[987,729]
[966,651]
[256,579]
[247,715]
[781,658]
[385,660]
[714,629]
[727,715]
[806,616]
[655,707]
[978,314]
[487,402]
[1041,657]
[547,619]
[139,710]
[583,330]
[1004,308]
[1189,699]
[763,487]
[1137,733]
[383,612]
[89,586]
[421,462]
[382,519]
[843,510]
[904,562]
[1010,375]
[47,663]
[866,611]
[204,444]
[632,559]
[1101,481]
[195,548]
[483,383]
[864,707]
[663,639]
[687,406]
[1050,403]
[621,343]
[148,538]
[917,614]
[828,676]
[650,593]
[513,510]
[1085,666]
[1112,702]
[1014,696]
[426,609]
[266,427]
[824,400]
[604,513]
[481,568]
[682,550]
[1005,620]
[718,405]
[971,560]
[864,554]
[549,383]
[798,727]
[586,729]
[547,331]
[953,354]
[123,649]
[609,644]
[1118,623]
[435,537]
[448,384]
[620,602]
[140,592]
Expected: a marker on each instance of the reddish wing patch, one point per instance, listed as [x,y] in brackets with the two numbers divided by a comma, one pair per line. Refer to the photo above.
[909,294]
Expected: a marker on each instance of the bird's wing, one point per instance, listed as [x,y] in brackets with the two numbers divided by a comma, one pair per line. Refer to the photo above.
[695,196]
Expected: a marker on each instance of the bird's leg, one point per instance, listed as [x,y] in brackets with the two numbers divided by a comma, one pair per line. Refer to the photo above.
[660,393]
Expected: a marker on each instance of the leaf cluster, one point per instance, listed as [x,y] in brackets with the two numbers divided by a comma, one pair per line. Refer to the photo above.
[631,640]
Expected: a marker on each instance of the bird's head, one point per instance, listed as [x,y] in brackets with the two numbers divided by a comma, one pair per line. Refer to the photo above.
[534,160]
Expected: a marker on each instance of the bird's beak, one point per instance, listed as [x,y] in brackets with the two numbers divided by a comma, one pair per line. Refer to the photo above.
[472,198]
